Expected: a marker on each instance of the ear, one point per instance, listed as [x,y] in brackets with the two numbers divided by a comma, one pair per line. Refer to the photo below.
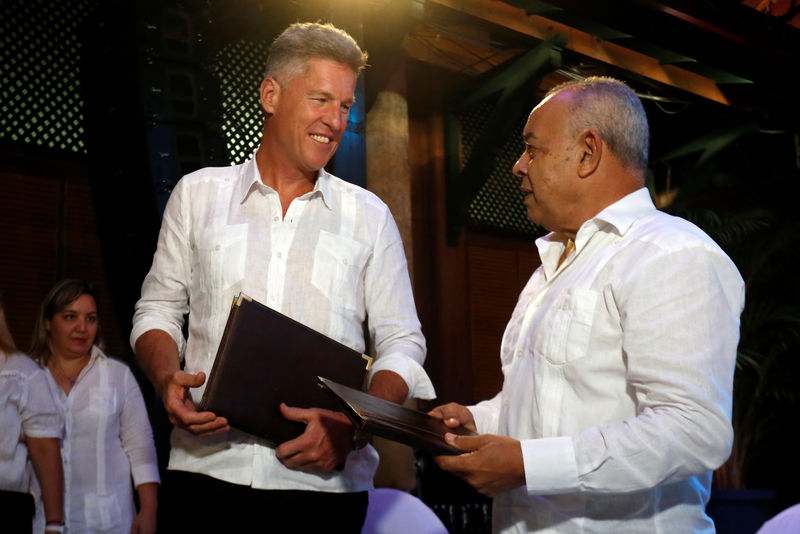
[270,93]
[591,152]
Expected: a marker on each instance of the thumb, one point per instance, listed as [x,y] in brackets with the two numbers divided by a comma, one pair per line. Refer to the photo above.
[465,443]
[190,380]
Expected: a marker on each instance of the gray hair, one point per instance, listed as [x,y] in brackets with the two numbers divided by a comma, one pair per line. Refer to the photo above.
[291,50]
[613,109]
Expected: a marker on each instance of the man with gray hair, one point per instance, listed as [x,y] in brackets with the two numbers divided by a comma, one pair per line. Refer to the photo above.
[314,247]
[618,359]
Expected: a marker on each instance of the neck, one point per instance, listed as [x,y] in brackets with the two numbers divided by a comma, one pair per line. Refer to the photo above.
[67,370]
[289,183]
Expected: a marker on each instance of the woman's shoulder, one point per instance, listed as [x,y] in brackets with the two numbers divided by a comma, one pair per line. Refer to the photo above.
[19,363]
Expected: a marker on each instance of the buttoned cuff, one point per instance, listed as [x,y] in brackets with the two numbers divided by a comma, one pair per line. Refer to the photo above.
[550,466]
[414,375]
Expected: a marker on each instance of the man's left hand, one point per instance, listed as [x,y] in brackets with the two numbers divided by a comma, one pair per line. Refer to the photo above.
[323,446]
[491,464]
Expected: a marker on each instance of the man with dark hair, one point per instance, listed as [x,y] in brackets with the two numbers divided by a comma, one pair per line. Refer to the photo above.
[316,248]
[618,359]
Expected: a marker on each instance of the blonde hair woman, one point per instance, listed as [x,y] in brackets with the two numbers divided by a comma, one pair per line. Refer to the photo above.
[108,434]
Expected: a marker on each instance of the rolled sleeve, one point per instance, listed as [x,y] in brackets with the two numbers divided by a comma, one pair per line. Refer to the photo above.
[136,435]
[165,297]
[415,377]
[393,321]
[40,416]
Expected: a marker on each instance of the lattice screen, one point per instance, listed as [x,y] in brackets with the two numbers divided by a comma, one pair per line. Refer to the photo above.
[498,205]
[40,100]
[241,69]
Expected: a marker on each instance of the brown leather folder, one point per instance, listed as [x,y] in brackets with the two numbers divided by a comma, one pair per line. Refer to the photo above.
[266,358]
[393,421]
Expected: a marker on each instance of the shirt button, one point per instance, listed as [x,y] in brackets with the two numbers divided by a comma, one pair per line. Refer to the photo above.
[279,255]
[275,218]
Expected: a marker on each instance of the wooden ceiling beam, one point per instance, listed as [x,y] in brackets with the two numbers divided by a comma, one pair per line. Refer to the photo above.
[540,27]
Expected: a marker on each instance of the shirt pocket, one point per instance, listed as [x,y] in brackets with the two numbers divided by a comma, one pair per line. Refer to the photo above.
[221,255]
[566,331]
[102,512]
[102,401]
[339,269]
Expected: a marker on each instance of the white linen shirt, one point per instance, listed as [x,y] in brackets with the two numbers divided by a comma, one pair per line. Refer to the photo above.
[27,409]
[108,439]
[618,370]
[334,260]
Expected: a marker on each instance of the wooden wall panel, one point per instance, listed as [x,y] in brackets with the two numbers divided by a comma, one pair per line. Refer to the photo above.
[498,269]
[48,231]
[28,248]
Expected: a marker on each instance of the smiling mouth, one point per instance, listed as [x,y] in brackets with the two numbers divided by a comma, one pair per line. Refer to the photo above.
[320,138]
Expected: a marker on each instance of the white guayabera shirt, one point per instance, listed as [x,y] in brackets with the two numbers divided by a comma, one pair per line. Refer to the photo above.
[108,440]
[333,261]
[618,371]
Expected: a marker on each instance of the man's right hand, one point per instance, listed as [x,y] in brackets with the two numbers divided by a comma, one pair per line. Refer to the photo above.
[454,415]
[181,410]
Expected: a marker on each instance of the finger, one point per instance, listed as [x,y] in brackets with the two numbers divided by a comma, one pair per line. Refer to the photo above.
[301,415]
[465,443]
[452,422]
[436,413]
[218,425]
[452,464]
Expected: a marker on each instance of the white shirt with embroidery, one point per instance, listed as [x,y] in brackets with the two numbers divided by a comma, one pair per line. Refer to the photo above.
[108,440]
[333,261]
[618,373]
[27,409]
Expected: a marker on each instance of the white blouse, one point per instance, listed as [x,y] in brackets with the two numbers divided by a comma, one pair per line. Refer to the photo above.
[108,440]
[26,409]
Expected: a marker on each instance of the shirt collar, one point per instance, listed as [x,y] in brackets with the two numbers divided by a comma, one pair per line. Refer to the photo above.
[617,217]
[250,179]
[622,213]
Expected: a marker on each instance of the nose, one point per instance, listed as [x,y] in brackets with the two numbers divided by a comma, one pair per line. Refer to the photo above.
[335,117]
[520,168]
[81,325]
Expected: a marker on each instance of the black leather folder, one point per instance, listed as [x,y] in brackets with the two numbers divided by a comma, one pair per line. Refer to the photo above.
[393,421]
[266,358]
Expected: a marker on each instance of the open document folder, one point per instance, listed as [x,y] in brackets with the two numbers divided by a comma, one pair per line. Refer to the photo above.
[393,421]
[266,358]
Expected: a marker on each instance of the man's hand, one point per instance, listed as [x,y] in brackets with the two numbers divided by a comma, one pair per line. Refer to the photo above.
[491,464]
[454,415]
[157,355]
[323,446]
[180,408]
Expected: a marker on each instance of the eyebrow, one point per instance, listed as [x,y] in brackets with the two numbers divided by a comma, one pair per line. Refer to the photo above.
[328,94]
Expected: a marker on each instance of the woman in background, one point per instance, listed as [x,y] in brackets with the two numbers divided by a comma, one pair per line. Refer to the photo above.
[30,427]
[108,435]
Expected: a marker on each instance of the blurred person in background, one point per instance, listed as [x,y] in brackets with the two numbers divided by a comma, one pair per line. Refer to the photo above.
[108,435]
[31,428]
